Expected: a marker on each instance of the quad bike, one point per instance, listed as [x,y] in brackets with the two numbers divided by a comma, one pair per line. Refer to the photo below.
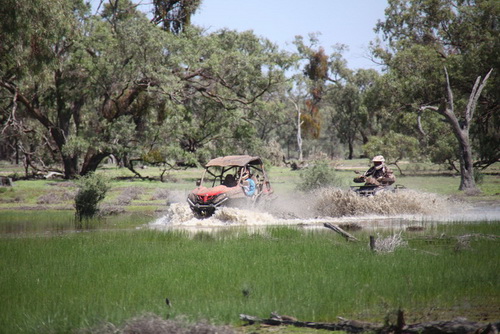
[371,187]
[238,180]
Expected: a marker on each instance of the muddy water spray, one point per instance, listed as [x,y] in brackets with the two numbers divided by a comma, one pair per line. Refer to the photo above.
[334,202]
[386,210]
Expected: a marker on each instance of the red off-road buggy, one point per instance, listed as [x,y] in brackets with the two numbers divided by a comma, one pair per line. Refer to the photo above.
[238,180]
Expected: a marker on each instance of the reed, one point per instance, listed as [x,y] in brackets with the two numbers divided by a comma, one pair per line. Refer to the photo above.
[79,280]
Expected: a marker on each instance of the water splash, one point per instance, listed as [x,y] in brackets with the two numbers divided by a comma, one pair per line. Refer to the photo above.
[385,210]
[335,202]
[179,214]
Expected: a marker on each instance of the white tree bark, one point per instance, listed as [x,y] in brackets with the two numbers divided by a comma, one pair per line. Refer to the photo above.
[299,129]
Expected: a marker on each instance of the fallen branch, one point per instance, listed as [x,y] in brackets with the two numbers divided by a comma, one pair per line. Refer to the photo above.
[340,231]
[455,326]
[348,326]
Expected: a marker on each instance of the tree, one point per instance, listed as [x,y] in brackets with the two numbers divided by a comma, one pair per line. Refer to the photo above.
[174,15]
[83,79]
[32,68]
[316,72]
[95,86]
[296,97]
[357,107]
[463,36]
[461,127]
[393,146]
[225,75]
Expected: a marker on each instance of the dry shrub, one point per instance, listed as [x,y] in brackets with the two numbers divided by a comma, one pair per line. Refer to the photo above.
[154,324]
[389,244]
[334,202]
[110,210]
[56,197]
[160,194]
[128,195]
[49,198]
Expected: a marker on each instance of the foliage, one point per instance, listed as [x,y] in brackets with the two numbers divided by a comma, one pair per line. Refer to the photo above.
[76,88]
[393,146]
[174,15]
[423,37]
[355,114]
[319,175]
[92,190]
[478,176]
[142,87]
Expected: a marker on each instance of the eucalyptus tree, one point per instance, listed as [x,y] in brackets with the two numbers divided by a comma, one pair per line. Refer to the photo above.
[115,84]
[85,81]
[317,75]
[174,15]
[228,81]
[128,65]
[426,36]
[316,71]
[39,70]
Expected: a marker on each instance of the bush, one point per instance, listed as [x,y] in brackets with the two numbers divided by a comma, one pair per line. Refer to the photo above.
[92,190]
[320,175]
[478,176]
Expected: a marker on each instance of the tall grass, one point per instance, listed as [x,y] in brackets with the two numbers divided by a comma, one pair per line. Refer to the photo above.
[62,283]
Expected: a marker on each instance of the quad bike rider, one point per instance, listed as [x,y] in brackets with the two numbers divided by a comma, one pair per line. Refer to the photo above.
[378,178]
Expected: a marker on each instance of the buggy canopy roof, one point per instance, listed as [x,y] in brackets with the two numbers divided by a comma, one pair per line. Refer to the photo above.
[234,160]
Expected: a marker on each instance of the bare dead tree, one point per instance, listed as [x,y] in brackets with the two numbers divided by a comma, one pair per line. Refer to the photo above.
[461,127]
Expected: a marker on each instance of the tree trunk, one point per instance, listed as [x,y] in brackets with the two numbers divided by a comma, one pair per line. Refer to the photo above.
[92,161]
[70,166]
[461,128]
[299,130]
[467,181]
[351,150]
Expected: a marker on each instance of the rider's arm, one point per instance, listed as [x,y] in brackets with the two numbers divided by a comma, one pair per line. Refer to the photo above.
[369,172]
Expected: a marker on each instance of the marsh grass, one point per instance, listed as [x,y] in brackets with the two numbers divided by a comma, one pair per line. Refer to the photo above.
[74,281]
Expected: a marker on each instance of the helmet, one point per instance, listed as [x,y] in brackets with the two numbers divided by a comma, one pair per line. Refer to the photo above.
[378,158]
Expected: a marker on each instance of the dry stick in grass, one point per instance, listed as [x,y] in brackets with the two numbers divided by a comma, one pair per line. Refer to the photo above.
[340,231]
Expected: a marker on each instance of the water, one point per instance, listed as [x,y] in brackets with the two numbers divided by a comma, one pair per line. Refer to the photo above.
[335,206]
[391,211]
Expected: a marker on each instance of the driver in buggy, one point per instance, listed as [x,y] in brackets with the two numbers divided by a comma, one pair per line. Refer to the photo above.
[378,175]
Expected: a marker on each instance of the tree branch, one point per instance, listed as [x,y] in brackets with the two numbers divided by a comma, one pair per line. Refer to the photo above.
[450,93]
[474,96]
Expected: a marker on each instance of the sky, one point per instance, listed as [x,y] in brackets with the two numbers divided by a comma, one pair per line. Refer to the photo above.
[349,22]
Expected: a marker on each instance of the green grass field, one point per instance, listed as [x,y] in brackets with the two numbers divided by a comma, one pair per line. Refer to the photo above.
[57,280]
[61,283]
